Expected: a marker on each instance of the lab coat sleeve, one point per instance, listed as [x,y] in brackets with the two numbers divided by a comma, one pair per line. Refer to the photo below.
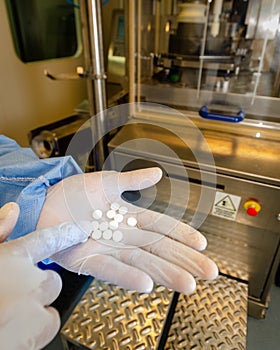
[24,178]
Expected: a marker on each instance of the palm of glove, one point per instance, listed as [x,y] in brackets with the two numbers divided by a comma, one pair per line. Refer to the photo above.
[159,249]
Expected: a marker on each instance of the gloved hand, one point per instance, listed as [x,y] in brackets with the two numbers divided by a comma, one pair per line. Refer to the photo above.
[159,248]
[26,321]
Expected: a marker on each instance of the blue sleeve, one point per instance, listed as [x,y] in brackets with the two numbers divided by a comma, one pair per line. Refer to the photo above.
[24,178]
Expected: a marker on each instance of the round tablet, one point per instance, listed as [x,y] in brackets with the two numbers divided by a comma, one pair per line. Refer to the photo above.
[110,214]
[117,236]
[123,210]
[96,234]
[113,225]
[131,221]
[94,225]
[103,225]
[97,214]
[115,206]
[118,218]
[107,234]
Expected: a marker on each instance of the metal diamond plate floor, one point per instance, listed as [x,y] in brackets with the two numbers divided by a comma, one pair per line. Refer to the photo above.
[110,318]
[213,318]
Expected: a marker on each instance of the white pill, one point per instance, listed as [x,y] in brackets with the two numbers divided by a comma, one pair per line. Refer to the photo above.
[97,214]
[113,225]
[103,225]
[96,234]
[107,234]
[117,236]
[131,221]
[94,225]
[119,218]
[111,214]
[123,210]
[115,206]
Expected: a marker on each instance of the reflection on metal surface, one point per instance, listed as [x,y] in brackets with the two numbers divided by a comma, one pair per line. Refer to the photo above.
[220,144]
[235,150]
[236,262]
[117,49]
[213,318]
[108,317]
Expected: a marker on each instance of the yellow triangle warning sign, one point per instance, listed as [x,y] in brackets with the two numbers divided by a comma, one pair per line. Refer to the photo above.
[226,203]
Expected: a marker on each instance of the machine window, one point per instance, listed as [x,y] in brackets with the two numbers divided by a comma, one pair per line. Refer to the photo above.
[44,29]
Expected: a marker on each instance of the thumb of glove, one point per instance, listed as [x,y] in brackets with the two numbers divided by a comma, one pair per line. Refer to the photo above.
[44,243]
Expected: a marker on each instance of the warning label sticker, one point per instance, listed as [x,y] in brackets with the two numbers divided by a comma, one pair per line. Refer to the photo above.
[226,205]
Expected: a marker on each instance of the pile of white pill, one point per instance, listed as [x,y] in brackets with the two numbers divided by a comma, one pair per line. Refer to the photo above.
[106,225]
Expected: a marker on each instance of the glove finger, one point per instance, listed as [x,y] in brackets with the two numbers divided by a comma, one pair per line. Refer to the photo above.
[43,243]
[181,255]
[168,226]
[116,272]
[138,179]
[160,270]
[125,265]
[33,326]
[8,217]
[175,252]
[106,268]
[49,327]
[19,276]
[49,288]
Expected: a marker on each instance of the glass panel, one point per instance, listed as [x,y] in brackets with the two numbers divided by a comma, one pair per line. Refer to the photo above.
[43,29]
[223,53]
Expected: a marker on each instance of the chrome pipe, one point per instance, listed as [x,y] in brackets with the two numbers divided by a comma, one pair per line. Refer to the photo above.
[97,62]
[94,61]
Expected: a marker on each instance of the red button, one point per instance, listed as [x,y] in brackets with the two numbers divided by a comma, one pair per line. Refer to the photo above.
[252,211]
[252,207]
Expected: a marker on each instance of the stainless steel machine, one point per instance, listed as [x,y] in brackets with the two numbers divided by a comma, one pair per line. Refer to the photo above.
[216,65]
